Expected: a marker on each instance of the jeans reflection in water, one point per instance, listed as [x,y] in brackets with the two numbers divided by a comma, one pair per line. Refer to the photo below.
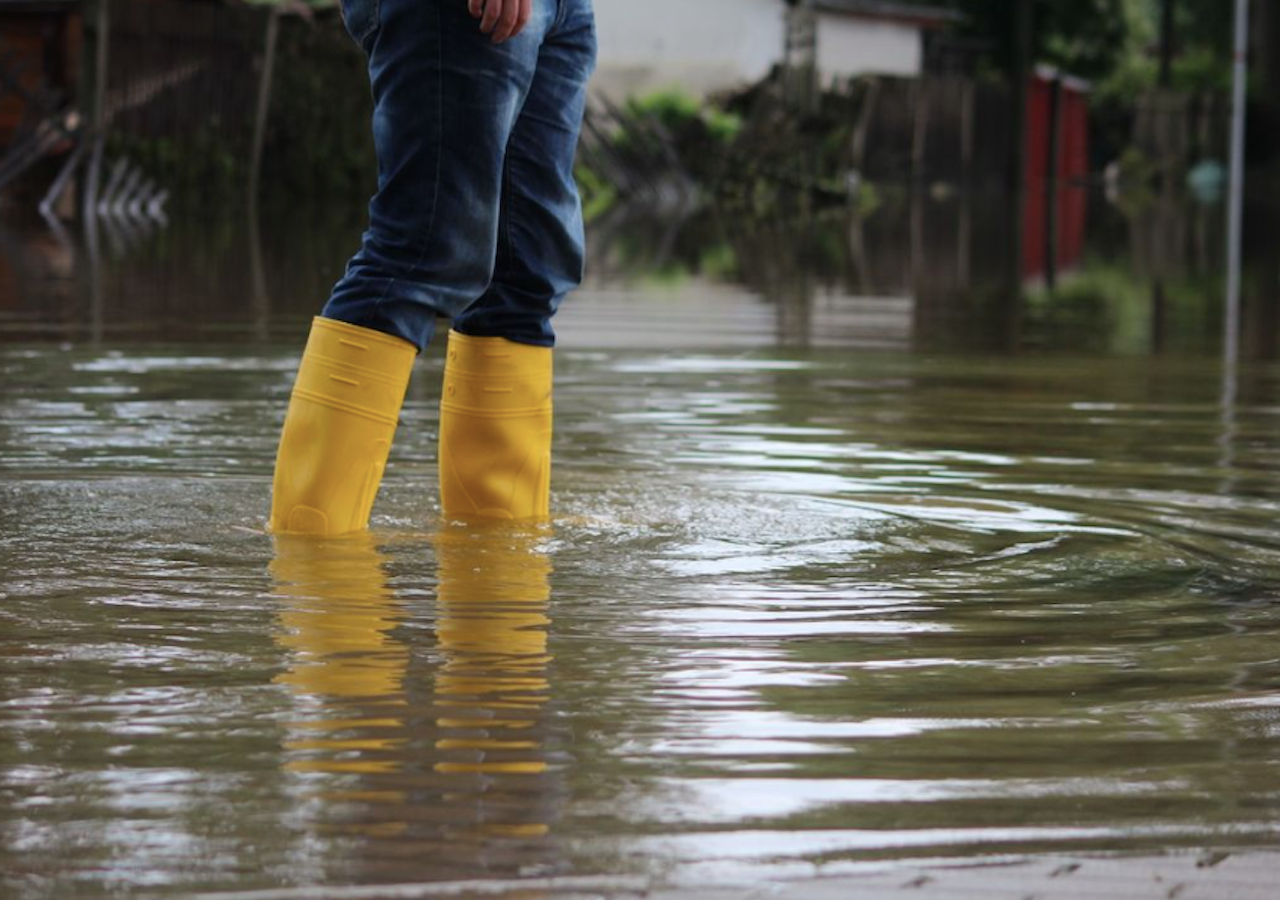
[462,770]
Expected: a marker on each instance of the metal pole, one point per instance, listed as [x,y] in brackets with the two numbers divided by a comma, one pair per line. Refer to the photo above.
[1235,222]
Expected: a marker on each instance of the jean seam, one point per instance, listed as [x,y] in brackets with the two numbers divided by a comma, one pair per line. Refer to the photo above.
[375,19]
[439,151]
[505,251]
[508,245]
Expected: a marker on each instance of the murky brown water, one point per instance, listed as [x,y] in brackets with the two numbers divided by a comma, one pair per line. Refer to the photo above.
[796,607]
[853,561]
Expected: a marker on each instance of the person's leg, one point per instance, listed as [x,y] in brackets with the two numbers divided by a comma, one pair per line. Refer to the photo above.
[540,237]
[446,99]
[495,412]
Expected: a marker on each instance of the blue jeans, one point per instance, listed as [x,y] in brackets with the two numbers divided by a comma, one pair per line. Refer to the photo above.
[477,215]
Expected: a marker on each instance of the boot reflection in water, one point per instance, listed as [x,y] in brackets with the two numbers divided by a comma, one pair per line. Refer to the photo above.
[346,667]
[493,598]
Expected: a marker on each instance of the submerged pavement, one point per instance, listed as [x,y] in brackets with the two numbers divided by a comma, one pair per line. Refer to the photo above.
[1216,875]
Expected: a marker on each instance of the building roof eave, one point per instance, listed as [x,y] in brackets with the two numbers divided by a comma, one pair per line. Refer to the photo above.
[908,13]
[37,5]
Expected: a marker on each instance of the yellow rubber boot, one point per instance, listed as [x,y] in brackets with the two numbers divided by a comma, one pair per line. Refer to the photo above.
[337,435]
[495,429]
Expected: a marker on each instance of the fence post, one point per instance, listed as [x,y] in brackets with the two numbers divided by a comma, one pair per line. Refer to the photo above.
[860,130]
[264,102]
[1051,182]
[921,129]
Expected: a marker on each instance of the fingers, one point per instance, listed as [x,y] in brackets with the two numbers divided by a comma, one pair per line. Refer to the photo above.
[492,12]
[475,7]
[509,22]
[502,19]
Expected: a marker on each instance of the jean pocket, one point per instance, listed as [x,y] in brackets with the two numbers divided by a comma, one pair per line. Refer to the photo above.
[361,19]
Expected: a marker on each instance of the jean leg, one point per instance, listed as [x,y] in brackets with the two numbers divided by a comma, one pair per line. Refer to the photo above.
[446,99]
[540,250]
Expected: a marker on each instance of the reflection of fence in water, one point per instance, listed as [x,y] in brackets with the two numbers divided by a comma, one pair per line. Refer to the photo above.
[946,252]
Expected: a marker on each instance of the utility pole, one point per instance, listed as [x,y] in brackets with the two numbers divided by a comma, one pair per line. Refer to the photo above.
[800,64]
[1235,205]
[1235,234]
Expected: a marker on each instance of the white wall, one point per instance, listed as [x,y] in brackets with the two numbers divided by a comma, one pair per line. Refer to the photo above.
[705,46]
[850,46]
[700,45]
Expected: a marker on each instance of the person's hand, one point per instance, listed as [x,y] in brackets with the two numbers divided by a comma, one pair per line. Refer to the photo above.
[501,19]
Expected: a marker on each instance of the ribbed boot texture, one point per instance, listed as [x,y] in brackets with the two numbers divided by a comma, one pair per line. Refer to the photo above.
[338,432]
[495,429]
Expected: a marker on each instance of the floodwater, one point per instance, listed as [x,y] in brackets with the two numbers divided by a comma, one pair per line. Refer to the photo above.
[823,588]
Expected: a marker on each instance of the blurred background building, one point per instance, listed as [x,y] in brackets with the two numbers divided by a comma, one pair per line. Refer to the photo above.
[716,45]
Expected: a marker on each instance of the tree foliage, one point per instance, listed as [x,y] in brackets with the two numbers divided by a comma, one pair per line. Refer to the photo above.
[1113,43]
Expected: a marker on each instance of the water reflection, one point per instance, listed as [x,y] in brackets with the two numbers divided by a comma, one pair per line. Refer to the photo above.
[493,634]
[935,269]
[336,621]
[439,746]
[808,606]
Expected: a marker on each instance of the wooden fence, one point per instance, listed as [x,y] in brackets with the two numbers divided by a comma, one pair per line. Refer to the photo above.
[1176,129]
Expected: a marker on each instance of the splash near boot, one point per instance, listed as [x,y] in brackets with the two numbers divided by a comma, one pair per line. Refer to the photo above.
[495,429]
[337,435]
